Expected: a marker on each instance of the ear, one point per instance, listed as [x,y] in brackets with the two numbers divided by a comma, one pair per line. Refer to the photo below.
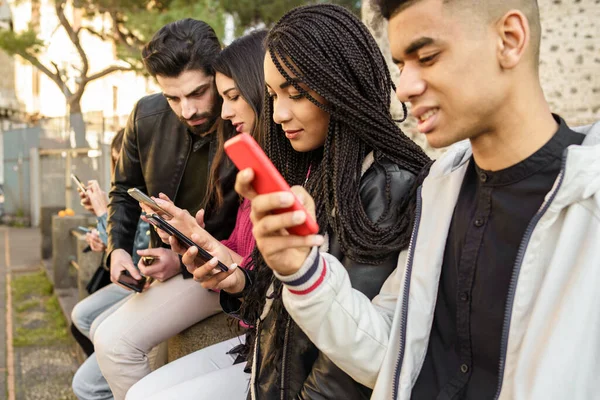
[513,38]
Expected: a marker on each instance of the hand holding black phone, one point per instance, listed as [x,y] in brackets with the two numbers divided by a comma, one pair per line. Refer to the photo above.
[186,242]
[129,281]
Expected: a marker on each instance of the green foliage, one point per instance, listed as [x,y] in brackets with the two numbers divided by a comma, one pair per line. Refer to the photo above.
[249,13]
[20,43]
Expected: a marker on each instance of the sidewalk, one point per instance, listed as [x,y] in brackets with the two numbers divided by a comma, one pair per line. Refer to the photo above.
[44,360]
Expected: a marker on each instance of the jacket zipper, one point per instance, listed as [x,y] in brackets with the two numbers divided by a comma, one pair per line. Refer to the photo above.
[406,289]
[516,271]
[284,358]
[187,157]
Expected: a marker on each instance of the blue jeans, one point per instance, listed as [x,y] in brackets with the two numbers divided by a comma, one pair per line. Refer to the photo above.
[88,382]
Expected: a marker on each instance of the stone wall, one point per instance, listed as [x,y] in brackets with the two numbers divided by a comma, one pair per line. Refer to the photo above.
[569,60]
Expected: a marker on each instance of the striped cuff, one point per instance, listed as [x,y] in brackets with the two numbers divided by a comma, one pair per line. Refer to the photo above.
[309,276]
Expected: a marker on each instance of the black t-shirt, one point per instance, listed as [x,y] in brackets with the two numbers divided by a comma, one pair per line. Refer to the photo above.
[193,187]
[490,218]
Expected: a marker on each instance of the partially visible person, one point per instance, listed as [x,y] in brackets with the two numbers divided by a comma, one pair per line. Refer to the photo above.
[497,295]
[240,83]
[88,382]
[170,145]
[328,127]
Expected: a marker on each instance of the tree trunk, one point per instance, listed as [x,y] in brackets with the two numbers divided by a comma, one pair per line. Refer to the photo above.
[77,125]
[377,25]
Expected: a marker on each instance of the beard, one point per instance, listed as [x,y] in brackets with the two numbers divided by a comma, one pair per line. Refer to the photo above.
[203,128]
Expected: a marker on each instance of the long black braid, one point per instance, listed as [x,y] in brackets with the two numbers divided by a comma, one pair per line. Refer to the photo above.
[333,54]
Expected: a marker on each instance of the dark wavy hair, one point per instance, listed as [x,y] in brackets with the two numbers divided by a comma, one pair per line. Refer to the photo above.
[333,54]
[241,61]
[183,45]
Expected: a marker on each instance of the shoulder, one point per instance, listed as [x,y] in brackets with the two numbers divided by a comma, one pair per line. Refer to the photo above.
[384,186]
[151,105]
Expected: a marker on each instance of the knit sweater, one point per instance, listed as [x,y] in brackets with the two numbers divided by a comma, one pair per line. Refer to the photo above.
[241,239]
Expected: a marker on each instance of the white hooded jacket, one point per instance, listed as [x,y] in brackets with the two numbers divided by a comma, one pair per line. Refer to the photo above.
[551,335]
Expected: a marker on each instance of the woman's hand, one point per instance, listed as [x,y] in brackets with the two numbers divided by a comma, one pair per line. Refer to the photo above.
[209,275]
[93,239]
[281,251]
[97,198]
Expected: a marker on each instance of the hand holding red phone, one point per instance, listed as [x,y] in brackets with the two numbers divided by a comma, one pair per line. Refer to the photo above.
[282,252]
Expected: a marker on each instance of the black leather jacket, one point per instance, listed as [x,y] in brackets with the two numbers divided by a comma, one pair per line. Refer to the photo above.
[155,150]
[304,372]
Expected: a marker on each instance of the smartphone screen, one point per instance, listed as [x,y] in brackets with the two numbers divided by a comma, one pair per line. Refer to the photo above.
[145,199]
[127,280]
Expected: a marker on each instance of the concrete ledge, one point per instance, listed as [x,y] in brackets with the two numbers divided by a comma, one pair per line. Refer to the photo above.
[205,333]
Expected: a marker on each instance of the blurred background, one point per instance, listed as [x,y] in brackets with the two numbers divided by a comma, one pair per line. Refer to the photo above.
[70,73]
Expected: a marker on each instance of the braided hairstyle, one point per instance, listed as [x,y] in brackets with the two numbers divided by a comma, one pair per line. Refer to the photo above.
[331,52]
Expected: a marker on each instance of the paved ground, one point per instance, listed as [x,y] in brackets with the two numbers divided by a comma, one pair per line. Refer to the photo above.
[41,370]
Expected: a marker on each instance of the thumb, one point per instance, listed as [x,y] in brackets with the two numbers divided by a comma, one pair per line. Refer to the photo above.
[200,218]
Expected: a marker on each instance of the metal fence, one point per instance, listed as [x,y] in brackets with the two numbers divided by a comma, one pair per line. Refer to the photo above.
[38,162]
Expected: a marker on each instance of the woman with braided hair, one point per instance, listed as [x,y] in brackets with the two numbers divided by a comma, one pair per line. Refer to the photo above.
[328,128]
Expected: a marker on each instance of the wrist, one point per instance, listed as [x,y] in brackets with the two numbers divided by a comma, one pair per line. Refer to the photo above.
[241,285]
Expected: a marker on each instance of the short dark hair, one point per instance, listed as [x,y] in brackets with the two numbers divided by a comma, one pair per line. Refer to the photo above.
[183,45]
[488,8]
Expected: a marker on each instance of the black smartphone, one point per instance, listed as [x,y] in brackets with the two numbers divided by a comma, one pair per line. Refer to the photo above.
[185,241]
[147,200]
[129,281]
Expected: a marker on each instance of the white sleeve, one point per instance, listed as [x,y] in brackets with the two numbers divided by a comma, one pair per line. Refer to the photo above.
[342,322]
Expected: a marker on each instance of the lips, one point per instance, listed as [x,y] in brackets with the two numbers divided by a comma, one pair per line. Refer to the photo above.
[239,127]
[426,118]
[292,133]
[197,121]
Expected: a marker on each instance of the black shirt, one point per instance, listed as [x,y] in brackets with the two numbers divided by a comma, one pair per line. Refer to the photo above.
[192,189]
[491,216]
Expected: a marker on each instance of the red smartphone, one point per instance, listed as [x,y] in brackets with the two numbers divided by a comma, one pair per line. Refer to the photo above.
[245,152]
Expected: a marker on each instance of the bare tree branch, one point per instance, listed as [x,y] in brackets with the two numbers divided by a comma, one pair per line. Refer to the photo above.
[55,77]
[105,72]
[126,38]
[102,36]
[74,36]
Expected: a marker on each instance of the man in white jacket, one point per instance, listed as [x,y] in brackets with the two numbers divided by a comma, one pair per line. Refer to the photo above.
[497,294]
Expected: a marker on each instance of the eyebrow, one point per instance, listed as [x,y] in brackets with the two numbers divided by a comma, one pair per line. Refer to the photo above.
[415,46]
[229,90]
[197,89]
[289,83]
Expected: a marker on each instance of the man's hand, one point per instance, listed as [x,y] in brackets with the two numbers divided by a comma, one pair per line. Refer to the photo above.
[93,239]
[282,252]
[164,267]
[120,260]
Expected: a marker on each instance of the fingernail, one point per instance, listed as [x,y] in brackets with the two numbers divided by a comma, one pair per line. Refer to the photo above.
[298,217]
[214,261]
[318,240]
[246,173]
[233,266]
[286,198]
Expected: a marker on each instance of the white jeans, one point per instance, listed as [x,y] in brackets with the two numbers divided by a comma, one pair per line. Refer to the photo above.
[123,340]
[207,374]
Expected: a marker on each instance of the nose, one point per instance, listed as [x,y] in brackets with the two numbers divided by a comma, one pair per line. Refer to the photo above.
[281,111]
[188,109]
[410,85]
[227,111]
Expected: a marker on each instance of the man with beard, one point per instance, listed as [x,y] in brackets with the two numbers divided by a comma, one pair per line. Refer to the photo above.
[170,142]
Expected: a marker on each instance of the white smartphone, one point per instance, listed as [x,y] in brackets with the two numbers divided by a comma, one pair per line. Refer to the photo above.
[144,198]
[78,182]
